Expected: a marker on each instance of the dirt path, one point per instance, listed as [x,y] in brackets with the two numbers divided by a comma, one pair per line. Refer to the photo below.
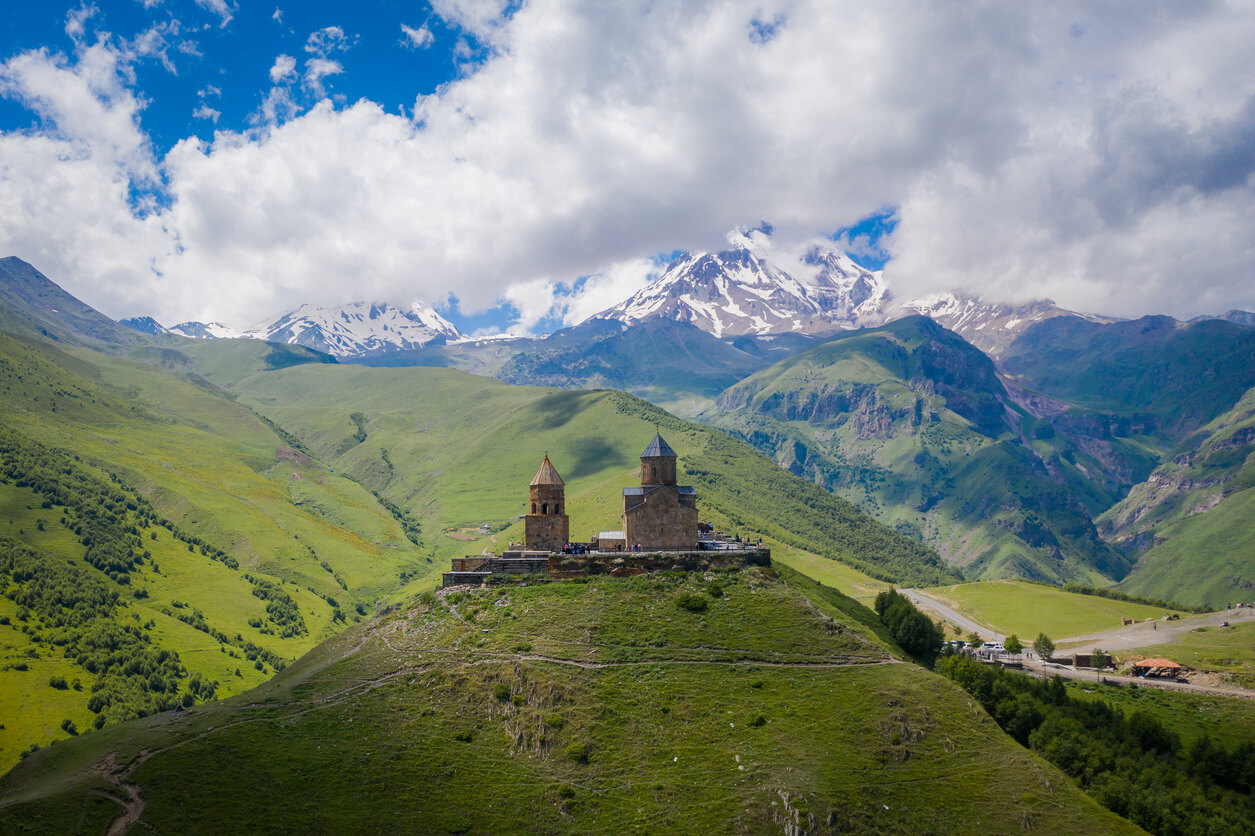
[1046,671]
[1145,634]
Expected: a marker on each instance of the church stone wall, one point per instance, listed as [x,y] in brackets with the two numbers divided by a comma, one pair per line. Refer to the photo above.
[546,532]
[662,521]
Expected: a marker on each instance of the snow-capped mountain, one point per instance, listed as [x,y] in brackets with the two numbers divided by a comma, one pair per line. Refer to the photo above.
[358,330]
[989,326]
[207,331]
[144,324]
[743,291]
[740,291]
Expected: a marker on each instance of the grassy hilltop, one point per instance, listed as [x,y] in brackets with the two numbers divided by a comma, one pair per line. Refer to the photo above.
[458,451]
[600,707]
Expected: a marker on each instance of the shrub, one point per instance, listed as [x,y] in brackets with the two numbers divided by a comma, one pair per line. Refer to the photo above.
[577,752]
[58,682]
[464,736]
[501,691]
[523,647]
[911,629]
[714,590]
[566,791]
[67,726]
[691,602]
[758,721]
[555,721]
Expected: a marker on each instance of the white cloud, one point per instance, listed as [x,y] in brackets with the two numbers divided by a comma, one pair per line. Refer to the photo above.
[277,17]
[419,38]
[1099,155]
[76,21]
[316,69]
[207,112]
[224,10]
[283,69]
[327,41]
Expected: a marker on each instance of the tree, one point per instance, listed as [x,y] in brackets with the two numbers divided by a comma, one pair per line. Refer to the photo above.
[973,638]
[1013,644]
[1099,658]
[1043,646]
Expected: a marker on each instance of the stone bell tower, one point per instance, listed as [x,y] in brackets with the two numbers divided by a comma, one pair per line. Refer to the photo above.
[546,528]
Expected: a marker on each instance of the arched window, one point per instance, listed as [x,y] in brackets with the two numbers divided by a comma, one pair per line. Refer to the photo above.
[557,509]
[533,507]
[544,508]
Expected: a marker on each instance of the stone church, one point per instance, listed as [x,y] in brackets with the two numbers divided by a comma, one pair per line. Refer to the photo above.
[660,514]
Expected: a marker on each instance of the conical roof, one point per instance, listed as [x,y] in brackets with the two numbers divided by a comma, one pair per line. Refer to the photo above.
[546,475]
[657,448]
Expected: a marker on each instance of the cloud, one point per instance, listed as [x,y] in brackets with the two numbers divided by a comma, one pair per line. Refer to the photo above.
[76,21]
[419,38]
[224,10]
[327,41]
[316,69]
[283,69]
[207,112]
[1097,155]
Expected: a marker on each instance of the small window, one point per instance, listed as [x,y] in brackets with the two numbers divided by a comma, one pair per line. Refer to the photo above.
[557,509]
[544,508]
[533,507]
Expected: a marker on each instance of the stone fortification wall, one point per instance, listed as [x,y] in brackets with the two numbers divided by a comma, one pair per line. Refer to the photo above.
[621,565]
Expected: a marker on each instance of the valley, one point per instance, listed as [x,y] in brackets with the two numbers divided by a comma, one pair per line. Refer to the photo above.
[252,531]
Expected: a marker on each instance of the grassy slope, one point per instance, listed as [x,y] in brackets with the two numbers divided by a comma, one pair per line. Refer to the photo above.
[215,470]
[1027,609]
[902,421]
[1195,515]
[1229,720]
[460,720]
[1177,376]
[459,450]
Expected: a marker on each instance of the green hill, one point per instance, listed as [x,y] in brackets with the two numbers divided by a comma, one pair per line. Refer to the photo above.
[458,451]
[157,532]
[1165,378]
[912,423]
[599,707]
[1190,524]
[154,533]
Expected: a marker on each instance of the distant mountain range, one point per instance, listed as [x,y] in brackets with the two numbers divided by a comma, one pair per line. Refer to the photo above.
[1015,440]
[353,331]
[737,292]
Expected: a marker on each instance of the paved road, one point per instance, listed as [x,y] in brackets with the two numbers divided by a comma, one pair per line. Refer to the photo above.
[967,625]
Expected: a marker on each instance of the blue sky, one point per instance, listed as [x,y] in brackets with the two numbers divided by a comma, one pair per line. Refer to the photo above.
[535,162]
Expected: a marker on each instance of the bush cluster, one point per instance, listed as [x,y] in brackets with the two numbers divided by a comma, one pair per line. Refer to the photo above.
[911,629]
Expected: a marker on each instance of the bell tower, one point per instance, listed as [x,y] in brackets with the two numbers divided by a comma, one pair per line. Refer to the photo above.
[546,527]
[658,463]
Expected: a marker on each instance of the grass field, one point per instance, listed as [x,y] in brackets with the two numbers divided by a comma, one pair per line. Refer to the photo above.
[601,707]
[1027,609]
[1228,650]
[1230,720]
